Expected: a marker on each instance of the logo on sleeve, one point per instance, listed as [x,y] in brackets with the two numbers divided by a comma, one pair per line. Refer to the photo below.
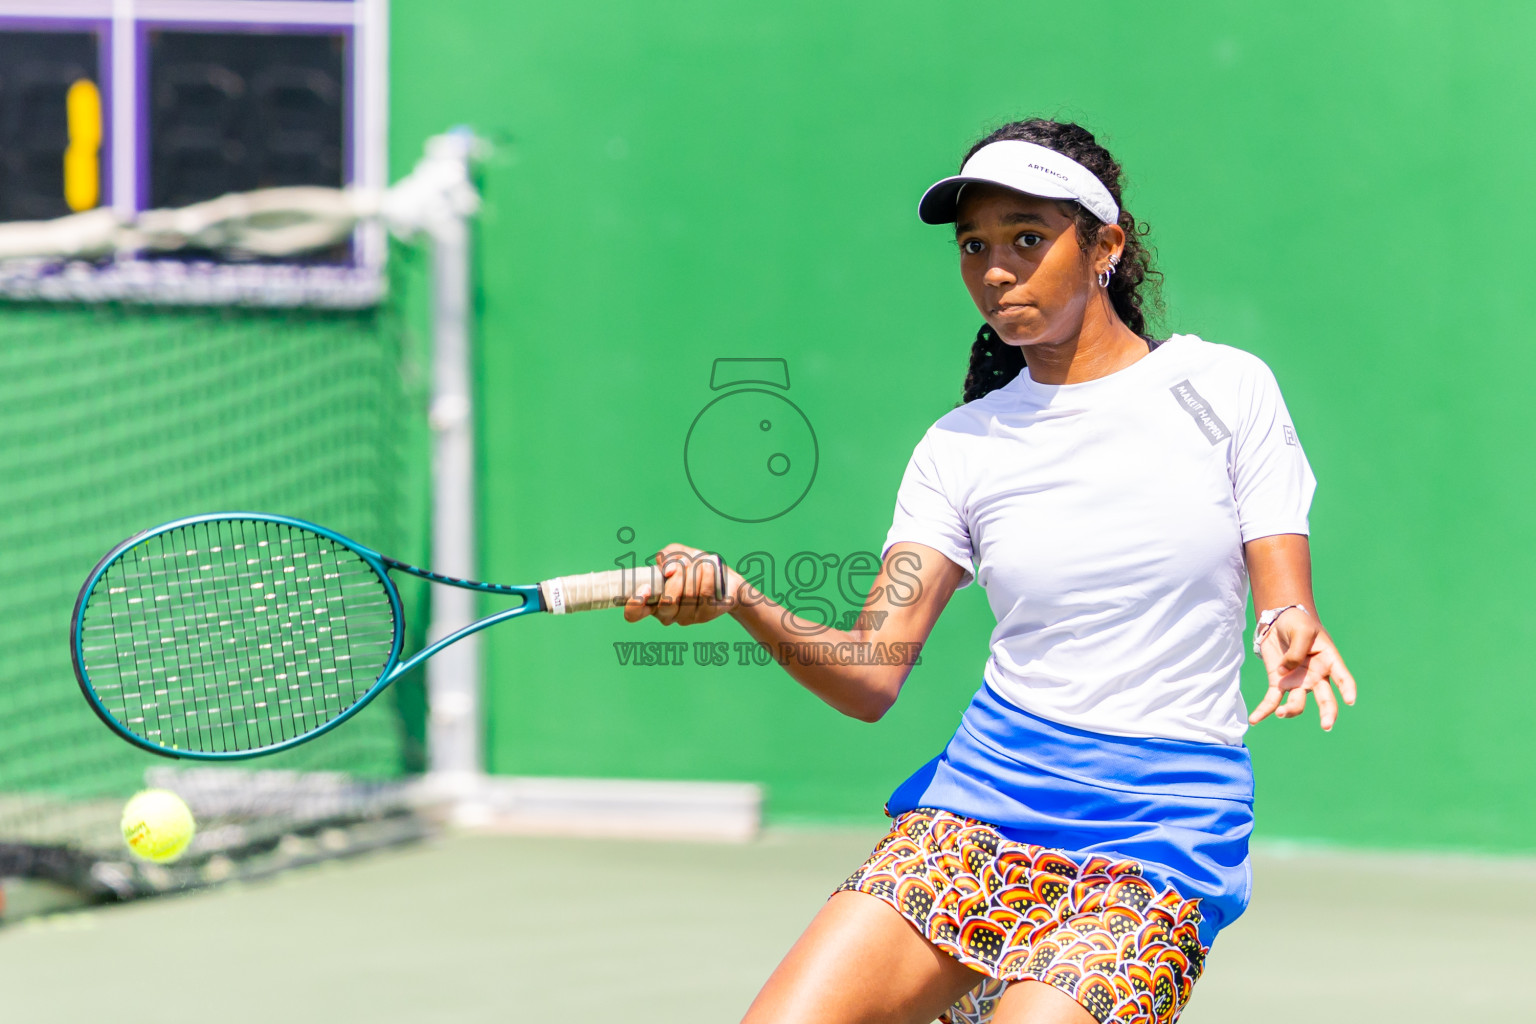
[1290,436]
[1201,412]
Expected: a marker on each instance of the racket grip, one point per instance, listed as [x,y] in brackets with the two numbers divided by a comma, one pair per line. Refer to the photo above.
[593,590]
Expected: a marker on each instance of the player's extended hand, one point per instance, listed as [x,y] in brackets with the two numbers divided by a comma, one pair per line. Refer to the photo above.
[1300,657]
[699,587]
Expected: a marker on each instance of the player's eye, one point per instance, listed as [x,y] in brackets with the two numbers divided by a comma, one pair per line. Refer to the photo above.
[1028,240]
[972,246]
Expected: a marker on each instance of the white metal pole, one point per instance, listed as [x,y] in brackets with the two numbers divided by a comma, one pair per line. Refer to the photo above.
[125,118]
[453,676]
[371,25]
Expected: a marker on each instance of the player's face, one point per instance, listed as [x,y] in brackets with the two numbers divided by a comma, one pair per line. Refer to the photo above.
[1021,262]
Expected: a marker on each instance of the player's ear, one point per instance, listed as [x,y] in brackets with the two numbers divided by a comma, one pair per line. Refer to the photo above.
[1111,242]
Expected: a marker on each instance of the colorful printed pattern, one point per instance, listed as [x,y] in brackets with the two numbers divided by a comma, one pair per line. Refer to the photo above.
[1096,930]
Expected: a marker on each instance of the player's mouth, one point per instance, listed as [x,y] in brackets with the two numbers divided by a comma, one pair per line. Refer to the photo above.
[1011,309]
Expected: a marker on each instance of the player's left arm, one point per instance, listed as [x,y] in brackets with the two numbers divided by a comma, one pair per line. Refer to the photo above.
[1299,655]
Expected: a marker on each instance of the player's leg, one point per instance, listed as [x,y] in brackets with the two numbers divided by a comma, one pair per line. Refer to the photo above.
[1034,1002]
[860,962]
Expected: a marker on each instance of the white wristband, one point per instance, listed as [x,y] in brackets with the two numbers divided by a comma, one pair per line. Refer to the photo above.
[1267,622]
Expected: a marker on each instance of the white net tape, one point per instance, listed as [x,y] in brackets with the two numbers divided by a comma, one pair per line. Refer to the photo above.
[99,256]
[193,283]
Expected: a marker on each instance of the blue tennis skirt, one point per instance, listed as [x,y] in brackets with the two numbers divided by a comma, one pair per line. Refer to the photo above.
[1182,810]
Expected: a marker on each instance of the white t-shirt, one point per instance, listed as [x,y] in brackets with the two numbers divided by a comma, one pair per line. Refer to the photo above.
[1106,521]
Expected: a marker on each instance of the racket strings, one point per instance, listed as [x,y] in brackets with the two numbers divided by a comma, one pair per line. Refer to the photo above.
[233,635]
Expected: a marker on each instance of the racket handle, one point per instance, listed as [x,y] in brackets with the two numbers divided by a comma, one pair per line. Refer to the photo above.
[611,589]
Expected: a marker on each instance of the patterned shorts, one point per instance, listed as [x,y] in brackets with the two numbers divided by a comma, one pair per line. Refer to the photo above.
[1095,929]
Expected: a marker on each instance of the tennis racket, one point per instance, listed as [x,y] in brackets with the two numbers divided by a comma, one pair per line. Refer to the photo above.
[231,635]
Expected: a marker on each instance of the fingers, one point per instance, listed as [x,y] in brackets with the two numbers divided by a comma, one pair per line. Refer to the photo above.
[1339,673]
[666,603]
[1328,665]
[1344,681]
[1300,658]
[1287,698]
[707,579]
[669,601]
[638,606]
[692,589]
[1299,650]
[1325,669]
[1267,705]
[1317,673]
[1280,698]
[1317,683]
[1295,703]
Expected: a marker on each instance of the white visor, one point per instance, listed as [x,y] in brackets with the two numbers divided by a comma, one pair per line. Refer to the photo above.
[1023,167]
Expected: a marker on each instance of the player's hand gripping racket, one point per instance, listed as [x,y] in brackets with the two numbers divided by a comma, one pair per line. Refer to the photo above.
[235,634]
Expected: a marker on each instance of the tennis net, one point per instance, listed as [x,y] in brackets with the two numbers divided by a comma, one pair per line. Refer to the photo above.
[115,417]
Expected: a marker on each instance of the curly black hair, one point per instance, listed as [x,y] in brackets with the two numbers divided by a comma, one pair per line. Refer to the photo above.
[1134,288]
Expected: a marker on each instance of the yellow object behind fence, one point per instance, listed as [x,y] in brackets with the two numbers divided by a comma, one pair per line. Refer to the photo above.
[82,165]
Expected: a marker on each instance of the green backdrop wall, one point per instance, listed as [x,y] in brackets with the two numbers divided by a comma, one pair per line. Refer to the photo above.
[1340,188]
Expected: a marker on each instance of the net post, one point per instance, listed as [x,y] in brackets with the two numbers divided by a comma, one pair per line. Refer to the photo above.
[455,758]
[124,116]
[372,27]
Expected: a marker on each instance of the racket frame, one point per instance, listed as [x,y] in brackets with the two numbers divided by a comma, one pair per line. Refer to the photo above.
[393,668]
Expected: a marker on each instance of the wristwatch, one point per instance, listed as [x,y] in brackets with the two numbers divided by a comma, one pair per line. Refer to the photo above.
[1267,622]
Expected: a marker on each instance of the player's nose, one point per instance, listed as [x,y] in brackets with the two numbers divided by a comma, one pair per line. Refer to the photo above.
[1000,277]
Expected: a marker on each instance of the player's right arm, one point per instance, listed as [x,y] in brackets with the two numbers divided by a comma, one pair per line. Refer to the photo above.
[860,671]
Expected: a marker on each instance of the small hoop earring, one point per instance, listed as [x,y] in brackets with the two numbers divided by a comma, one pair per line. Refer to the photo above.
[1109,272]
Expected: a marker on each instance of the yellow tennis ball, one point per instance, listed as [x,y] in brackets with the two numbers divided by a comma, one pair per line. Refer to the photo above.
[158,825]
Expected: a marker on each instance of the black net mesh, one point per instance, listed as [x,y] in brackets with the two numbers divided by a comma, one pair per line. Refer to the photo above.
[114,418]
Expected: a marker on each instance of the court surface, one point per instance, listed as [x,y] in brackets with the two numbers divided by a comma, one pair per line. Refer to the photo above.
[488,928]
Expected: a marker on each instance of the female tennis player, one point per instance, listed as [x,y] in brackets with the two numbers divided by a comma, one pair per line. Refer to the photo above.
[1072,853]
